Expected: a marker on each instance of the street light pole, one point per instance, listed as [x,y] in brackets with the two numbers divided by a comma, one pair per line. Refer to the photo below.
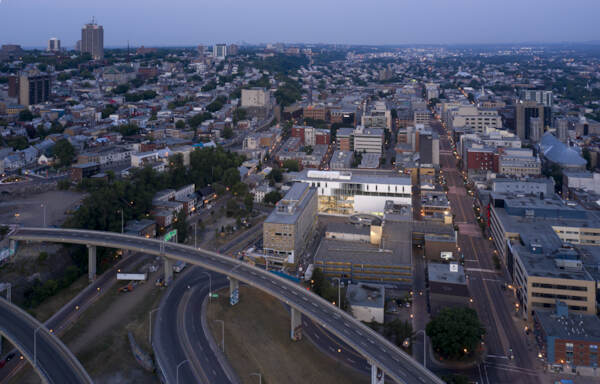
[339,291]
[209,286]
[44,206]
[222,333]
[35,346]
[259,376]
[150,325]
[195,242]
[177,370]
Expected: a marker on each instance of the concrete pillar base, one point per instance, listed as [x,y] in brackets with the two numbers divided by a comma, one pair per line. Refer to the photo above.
[234,291]
[12,247]
[168,263]
[91,263]
[377,375]
[295,325]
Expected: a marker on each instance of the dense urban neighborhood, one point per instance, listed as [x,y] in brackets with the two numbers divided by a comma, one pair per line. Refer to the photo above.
[425,213]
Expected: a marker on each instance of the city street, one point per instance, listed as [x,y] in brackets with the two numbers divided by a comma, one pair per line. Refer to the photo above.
[493,304]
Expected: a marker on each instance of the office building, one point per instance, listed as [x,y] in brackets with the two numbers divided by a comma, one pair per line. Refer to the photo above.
[346,193]
[421,116]
[524,111]
[53,45]
[288,229]
[568,342]
[232,49]
[432,91]
[220,51]
[369,140]
[367,302]
[537,129]
[341,160]
[470,116]
[34,87]
[378,116]
[92,40]
[539,96]
[562,129]
[429,148]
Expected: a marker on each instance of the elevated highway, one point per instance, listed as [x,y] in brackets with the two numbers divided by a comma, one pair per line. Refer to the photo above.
[383,356]
[47,354]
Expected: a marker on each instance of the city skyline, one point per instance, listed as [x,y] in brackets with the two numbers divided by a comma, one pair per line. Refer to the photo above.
[185,23]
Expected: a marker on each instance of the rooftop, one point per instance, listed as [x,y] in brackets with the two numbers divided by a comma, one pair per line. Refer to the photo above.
[365,295]
[289,209]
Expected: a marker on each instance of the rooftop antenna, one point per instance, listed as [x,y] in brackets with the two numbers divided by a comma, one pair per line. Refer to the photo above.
[93,20]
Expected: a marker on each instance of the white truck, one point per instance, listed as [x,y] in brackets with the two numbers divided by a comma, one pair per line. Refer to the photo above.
[179,266]
[132,276]
[309,272]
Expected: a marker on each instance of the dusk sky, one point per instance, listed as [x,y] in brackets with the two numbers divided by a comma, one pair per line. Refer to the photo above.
[190,22]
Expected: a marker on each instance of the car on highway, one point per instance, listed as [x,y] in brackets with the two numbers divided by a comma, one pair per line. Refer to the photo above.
[8,358]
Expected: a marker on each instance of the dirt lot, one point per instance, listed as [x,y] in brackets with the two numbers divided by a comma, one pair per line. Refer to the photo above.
[99,338]
[28,211]
[257,339]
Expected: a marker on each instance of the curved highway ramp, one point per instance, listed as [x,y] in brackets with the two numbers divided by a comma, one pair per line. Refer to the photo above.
[380,353]
[50,358]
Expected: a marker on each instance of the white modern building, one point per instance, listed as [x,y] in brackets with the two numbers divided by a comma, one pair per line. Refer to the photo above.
[369,140]
[347,193]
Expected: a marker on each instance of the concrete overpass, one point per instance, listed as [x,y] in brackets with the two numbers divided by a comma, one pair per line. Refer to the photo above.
[47,354]
[384,357]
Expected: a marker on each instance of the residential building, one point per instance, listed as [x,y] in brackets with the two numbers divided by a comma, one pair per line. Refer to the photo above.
[92,40]
[288,229]
[34,87]
[539,96]
[53,45]
[220,51]
[83,171]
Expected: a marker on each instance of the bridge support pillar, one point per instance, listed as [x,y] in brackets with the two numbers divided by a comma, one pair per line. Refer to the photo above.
[12,247]
[91,262]
[295,325]
[168,263]
[377,375]
[234,291]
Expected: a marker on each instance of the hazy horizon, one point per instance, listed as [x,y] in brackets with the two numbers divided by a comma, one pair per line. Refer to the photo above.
[180,23]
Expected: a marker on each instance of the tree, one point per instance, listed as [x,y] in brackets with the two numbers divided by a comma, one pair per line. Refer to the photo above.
[231,177]
[272,197]
[291,165]
[239,114]
[249,202]
[276,175]
[64,152]
[455,332]
[128,129]
[181,226]
[180,124]
[25,115]
[227,132]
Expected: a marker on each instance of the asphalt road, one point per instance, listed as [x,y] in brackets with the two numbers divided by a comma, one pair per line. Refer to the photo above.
[178,334]
[485,286]
[48,355]
[394,362]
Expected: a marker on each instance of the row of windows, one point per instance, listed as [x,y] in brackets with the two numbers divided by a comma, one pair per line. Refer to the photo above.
[561,297]
[559,286]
